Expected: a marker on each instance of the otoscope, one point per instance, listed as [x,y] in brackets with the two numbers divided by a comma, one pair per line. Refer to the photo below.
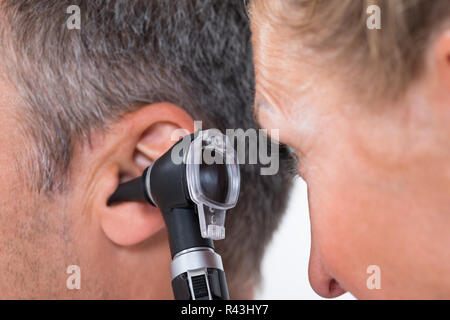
[193,184]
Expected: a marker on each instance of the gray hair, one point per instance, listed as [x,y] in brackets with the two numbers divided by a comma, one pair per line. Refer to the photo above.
[195,54]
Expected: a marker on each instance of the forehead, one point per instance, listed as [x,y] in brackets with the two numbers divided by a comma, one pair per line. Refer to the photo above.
[282,65]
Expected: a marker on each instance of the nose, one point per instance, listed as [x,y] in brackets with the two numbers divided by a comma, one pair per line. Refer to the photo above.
[321,282]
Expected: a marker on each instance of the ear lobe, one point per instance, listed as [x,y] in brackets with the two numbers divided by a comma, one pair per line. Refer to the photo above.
[128,224]
[125,224]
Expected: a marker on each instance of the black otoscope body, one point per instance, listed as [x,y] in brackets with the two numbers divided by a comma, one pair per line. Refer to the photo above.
[193,184]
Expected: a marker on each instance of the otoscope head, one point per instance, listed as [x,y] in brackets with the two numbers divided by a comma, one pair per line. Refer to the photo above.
[207,180]
[213,180]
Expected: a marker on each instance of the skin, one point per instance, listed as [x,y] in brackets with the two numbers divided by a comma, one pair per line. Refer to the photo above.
[122,250]
[378,173]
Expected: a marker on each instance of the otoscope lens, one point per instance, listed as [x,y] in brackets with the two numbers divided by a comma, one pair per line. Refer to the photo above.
[214,181]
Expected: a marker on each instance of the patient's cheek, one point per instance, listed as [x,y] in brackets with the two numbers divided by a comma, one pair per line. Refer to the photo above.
[11,158]
[14,146]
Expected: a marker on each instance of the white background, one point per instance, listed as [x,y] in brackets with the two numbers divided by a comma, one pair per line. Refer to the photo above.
[289,252]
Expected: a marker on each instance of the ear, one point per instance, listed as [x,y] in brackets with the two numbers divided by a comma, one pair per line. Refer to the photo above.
[133,143]
[441,59]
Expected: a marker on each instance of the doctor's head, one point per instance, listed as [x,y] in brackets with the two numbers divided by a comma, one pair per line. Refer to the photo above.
[361,91]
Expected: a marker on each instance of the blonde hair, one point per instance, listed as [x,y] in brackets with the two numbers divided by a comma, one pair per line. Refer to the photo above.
[387,59]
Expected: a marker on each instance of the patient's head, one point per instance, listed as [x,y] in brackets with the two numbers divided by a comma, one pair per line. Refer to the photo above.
[83,110]
[367,112]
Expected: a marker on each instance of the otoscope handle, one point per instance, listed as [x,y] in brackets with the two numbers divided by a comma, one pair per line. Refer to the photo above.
[197,271]
[184,230]
[198,275]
